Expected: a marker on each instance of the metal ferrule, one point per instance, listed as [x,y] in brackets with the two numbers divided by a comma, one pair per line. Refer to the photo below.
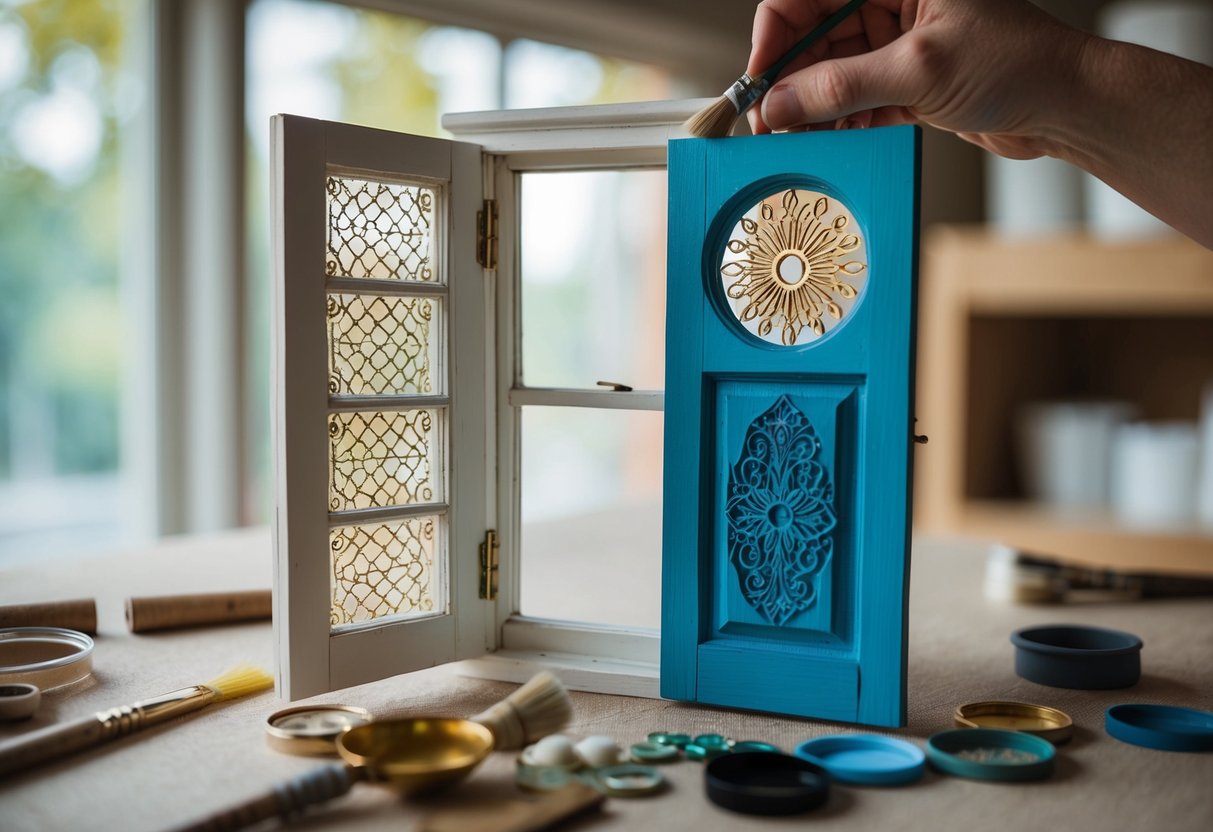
[745,91]
[118,722]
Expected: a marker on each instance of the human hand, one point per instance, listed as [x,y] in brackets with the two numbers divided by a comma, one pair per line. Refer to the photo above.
[995,72]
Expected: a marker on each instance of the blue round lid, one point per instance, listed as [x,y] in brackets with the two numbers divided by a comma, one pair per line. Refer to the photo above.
[865,759]
[1165,727]
[991,754]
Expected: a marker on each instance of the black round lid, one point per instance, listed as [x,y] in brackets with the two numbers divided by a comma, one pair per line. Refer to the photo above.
[762,783]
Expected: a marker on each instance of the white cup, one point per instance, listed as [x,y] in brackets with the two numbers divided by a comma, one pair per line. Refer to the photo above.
[1204,492]
[1154,473]
[1065,449]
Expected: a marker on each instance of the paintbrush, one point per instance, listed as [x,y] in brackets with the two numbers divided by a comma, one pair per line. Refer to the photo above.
[55,741]
[538,708]
[716,120]
[1021,578]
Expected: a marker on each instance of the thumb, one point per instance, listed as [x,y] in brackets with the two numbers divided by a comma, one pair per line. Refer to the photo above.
[837,87]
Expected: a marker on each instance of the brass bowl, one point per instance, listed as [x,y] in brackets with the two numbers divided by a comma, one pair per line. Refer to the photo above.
[417,754]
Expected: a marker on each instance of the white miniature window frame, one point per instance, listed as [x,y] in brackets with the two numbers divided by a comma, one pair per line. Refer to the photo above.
[493,150]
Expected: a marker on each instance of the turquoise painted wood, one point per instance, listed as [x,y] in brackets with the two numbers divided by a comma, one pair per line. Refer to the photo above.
[788,422]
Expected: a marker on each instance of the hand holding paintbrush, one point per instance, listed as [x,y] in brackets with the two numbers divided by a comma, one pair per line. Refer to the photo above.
[717,119]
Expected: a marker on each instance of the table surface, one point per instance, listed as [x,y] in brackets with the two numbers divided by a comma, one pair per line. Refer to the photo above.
[959,652]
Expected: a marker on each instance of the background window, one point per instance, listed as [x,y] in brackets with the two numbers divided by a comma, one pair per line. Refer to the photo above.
[67,92]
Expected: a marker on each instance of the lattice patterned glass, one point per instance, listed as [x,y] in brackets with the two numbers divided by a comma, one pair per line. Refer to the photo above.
[794,267]
[385,569]
[385,459]
[382,230]
[383,344]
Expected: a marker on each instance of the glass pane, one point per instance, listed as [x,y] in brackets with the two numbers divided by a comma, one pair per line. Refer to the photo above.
[73,79]
[380,229]
[384,344]
[593,278]
[591,515]
[385,459]
[386,569]
[794,266]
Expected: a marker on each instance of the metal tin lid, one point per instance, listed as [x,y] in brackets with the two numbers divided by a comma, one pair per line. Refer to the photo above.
[1077,657]
[312,730]
[865,759]
[1164,727]
[654,752]
[628,780]
[762,783]
[991,754]
[1040,720]
[48,657]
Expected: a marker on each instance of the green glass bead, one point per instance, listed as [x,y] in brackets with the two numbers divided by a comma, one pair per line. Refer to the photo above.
[663,738]
[653,752]
[712,741]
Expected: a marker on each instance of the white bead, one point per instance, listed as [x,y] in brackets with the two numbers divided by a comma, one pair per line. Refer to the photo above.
[554,750]
[599,751]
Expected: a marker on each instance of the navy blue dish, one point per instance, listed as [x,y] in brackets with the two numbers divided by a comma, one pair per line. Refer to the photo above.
[764,783]
[1077,657]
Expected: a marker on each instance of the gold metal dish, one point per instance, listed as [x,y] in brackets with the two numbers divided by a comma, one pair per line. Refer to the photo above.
[417,754]
[1045,722]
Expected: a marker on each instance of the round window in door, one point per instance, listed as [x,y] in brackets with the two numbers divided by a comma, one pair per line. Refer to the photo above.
[794,267]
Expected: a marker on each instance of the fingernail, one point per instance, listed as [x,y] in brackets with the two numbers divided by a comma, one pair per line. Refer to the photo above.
[781,108]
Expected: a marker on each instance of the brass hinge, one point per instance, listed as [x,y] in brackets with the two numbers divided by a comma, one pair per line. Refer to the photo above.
[489,551]
[486,234]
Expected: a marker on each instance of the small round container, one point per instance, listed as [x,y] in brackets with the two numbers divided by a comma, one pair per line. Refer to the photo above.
[1042,721]
[49,657]
[865,759]
[1077,657]
[312,730]
[18,701]
[761,783]
[1162,727]
[629,780]
[991,754]
[756,745]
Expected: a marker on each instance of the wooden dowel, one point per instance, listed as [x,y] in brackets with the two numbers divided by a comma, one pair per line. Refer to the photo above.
[167,612]
[79,614]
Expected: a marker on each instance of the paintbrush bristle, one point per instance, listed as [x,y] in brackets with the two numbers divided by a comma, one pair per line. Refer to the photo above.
[714,121]
[538,708]
[241,681]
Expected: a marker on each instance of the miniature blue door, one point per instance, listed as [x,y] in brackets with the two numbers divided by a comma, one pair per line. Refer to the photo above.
[788,422]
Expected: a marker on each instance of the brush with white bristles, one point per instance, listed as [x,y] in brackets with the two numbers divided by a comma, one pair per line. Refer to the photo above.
[60,740]
[716,120]
[538,708]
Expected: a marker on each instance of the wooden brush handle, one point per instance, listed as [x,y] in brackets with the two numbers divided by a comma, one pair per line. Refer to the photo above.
[79,614]
[168,612]
[49,743]
[287,801]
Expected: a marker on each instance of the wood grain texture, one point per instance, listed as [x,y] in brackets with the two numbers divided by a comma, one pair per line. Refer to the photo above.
[847,663]
[79,614]
[168,612]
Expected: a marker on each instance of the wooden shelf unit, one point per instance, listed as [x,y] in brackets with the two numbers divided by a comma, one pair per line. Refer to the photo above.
[1004,322]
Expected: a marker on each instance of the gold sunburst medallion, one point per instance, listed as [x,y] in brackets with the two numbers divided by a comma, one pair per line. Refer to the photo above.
[792,265]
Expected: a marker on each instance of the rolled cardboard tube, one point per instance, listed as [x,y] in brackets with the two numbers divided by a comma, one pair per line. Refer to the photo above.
[79,614]
[170,612]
